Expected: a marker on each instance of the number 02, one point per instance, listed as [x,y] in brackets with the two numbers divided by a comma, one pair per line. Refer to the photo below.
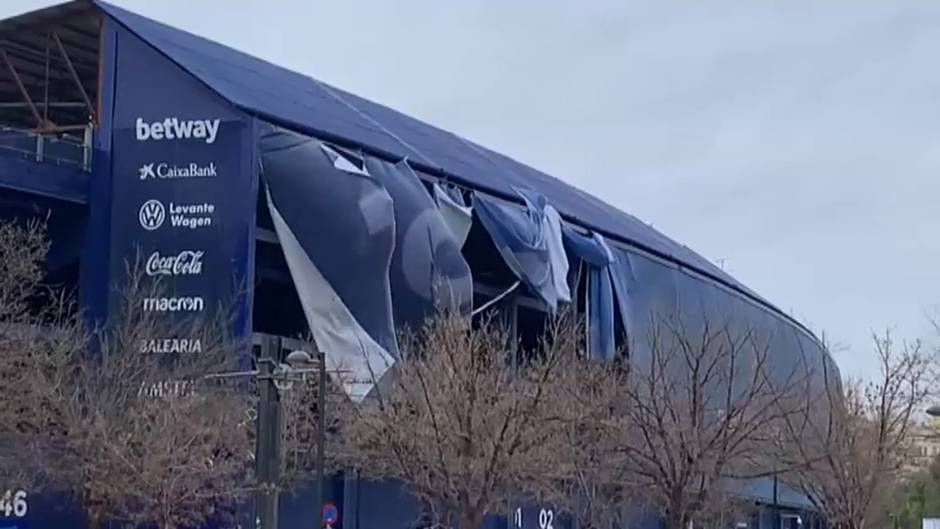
[546,517]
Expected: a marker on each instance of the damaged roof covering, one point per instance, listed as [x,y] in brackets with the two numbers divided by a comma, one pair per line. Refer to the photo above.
[302,103]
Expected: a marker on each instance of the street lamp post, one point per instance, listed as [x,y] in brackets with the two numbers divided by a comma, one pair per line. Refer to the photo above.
[278,376]
[268,448]
[321,435]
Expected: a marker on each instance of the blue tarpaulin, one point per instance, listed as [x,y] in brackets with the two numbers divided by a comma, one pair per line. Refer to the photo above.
[337,232]
[344,222]
[596,256]
[649,292]
[530,243]
[427,271]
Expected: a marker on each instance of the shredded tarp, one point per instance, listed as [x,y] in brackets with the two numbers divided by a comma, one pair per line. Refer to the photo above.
[529,240]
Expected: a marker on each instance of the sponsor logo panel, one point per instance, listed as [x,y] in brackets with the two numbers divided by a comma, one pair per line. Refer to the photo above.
[173,128]
[153,213]
[167,389]
[174,304]
[171,345]
[166,171]
[184,263]
[162,215]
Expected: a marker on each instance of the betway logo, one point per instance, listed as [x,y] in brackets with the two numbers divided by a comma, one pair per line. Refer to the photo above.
[178,129]
[165,171]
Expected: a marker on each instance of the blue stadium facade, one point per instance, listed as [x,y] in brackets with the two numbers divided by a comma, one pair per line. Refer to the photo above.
[236,179]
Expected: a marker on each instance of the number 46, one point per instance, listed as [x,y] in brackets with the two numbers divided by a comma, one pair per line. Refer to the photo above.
[13,502]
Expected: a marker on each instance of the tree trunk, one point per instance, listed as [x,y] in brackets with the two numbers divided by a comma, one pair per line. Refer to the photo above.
[677,514]
[676,520]
[851,525]
[469,520]
[94,521]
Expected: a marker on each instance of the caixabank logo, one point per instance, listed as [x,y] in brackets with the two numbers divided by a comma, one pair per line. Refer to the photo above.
[168,171]
[153,214]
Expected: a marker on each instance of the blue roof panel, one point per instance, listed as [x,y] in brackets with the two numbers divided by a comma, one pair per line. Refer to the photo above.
[299,101]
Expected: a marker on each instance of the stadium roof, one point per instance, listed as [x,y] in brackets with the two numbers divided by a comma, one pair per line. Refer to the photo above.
[302,103]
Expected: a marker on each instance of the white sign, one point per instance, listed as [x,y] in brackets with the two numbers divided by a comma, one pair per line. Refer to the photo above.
[167,389]
[546,519]
[171,346]
[13,504]
[185,263]
[166,171]
[151,215]
[175,128]
[198,215]
[174,304]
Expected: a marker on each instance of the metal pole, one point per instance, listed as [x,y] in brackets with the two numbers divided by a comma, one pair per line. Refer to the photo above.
[321,435]
[78,81]
[87,148]
[268,464]
[23,91]
[778,521]
[513,308]
[45,91]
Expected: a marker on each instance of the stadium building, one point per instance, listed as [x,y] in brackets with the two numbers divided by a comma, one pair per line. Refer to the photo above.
[340,217]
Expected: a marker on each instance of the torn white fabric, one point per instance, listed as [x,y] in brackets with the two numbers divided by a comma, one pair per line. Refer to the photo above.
[602,242]
[354,359]
[457,217]
[551,225]
[341,162]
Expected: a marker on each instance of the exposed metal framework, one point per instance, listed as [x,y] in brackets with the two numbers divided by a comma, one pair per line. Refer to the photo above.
[50,71]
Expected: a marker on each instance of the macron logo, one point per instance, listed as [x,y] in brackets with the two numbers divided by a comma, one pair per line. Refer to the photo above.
[175,128]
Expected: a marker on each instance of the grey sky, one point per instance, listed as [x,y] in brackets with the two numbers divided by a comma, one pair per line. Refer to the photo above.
[797,142]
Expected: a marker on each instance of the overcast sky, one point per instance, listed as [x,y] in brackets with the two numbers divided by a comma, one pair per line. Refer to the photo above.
[796,143]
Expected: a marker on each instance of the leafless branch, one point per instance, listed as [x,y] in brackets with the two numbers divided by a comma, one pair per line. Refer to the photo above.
[118,417]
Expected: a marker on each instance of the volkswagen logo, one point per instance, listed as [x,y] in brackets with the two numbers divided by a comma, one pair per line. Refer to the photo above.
[151,214]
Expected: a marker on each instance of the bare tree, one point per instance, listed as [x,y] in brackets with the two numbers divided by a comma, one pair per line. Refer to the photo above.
[300,433]
[463,429]
[38,334]
[846,453]
[596,490]
[698,403]
[152,440]
[123,418]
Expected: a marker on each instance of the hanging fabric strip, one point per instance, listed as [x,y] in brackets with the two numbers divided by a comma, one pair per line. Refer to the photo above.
[551,225]
[354,359]
[428,273]
[344,222]
[599,306]
[527,239]
[457,215]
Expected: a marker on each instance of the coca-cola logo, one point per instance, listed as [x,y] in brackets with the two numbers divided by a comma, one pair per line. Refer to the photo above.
[185,263]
